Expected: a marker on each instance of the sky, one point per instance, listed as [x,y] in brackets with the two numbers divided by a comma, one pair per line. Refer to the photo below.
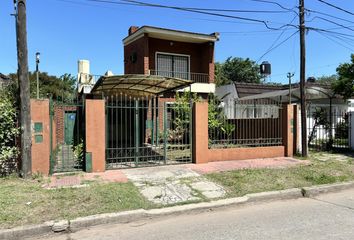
[64,31]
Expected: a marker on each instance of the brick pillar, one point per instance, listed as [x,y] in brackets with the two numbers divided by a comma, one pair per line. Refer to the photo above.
[211,63]
[200,132]
[95,134]
[146,56]
[40,121]
[296,132]
[288,129]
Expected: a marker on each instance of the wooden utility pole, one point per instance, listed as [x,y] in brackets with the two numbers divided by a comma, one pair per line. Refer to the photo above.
[302,78]
[23,80]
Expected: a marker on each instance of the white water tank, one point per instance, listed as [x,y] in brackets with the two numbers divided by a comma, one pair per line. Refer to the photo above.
[84,72]
[85,79]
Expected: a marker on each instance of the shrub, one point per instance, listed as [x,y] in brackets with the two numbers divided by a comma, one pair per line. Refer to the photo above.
[9,152]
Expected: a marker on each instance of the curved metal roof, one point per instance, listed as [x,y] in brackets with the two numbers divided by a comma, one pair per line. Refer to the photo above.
[138,84]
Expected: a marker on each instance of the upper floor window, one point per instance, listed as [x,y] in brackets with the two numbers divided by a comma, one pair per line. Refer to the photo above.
[172,65]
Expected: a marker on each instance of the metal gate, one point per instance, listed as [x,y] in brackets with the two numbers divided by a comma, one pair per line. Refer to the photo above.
[328,128]
[147,132]
[67,144]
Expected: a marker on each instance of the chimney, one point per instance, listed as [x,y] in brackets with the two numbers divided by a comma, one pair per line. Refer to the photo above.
[132,30]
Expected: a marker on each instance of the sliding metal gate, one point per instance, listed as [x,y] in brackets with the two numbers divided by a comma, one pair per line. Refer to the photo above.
[146,132]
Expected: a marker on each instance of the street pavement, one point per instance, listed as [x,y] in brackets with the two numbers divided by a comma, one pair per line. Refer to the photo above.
[329,216]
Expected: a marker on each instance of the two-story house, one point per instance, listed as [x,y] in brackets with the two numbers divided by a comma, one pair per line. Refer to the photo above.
[172,53]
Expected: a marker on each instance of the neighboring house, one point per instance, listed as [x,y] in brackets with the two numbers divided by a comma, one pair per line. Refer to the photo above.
[171,53]
[4,80]
[231,96]
[245,100]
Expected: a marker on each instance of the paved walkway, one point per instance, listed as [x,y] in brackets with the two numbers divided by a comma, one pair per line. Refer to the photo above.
[279,162]
[172,184]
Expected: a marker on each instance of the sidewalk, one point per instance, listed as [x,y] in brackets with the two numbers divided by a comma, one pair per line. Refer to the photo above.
[161,173]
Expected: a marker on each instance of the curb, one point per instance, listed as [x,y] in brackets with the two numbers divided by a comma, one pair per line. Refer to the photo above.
[140,214]
[327,188]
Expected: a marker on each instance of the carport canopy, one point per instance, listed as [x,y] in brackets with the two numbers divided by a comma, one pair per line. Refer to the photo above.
[138,85]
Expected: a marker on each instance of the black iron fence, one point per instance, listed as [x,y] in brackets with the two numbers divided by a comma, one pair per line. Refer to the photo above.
[146,132]
[195,77]
[328,128]
[244,123]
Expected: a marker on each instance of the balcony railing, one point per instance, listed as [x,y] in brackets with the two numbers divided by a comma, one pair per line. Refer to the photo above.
[195,77]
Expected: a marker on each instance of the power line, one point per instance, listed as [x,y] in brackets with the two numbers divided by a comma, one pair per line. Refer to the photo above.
[329,15]
[330,21]
[275,3]
[331,39]
[278,45]
[336,7]
[266,23]
[198,9]
[276,40]
[328,31]
[145,4]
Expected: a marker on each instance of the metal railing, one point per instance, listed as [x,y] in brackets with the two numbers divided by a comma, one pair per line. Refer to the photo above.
[146,132]
[195,77]
[247,123]
[329,128]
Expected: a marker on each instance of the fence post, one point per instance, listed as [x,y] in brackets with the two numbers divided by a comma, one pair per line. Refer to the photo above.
[95,133]
[351,131]
[200,132]
[288,129]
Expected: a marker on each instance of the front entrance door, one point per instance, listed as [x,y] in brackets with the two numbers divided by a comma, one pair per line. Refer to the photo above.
[69,123]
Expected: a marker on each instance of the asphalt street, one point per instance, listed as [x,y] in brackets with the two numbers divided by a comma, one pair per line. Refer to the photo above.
[329,216]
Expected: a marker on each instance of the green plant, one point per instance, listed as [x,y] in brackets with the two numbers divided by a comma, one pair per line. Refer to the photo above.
[320,118]
[228,129]
[79,152]
[9,152]
[215,115]
[181,115]
[342,128]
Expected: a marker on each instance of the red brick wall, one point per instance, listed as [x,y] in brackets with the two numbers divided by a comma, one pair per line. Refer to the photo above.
[40,150]
[202,154]
[140,48]
[145,48]
[95,133]
[58,119]
[200,54]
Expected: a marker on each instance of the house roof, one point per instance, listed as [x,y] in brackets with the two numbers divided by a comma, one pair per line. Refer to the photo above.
[4,77]
[248,89]
[171,34]
[138,85]
[312,92]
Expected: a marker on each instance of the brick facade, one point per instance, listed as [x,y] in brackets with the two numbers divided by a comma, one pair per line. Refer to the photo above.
[139,56]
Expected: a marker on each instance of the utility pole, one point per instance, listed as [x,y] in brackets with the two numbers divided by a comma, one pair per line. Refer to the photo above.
[22,72]
[302,78]
[290,75]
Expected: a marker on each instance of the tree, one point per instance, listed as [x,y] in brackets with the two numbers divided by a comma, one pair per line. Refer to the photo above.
[237,70]
[345,84]
[49,85]
[9,131]
[327,79]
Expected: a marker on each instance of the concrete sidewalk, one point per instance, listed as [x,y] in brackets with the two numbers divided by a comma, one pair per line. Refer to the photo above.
[121,175]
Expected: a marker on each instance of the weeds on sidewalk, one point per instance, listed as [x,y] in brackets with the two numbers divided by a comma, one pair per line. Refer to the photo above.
[27,202]
[241,182]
